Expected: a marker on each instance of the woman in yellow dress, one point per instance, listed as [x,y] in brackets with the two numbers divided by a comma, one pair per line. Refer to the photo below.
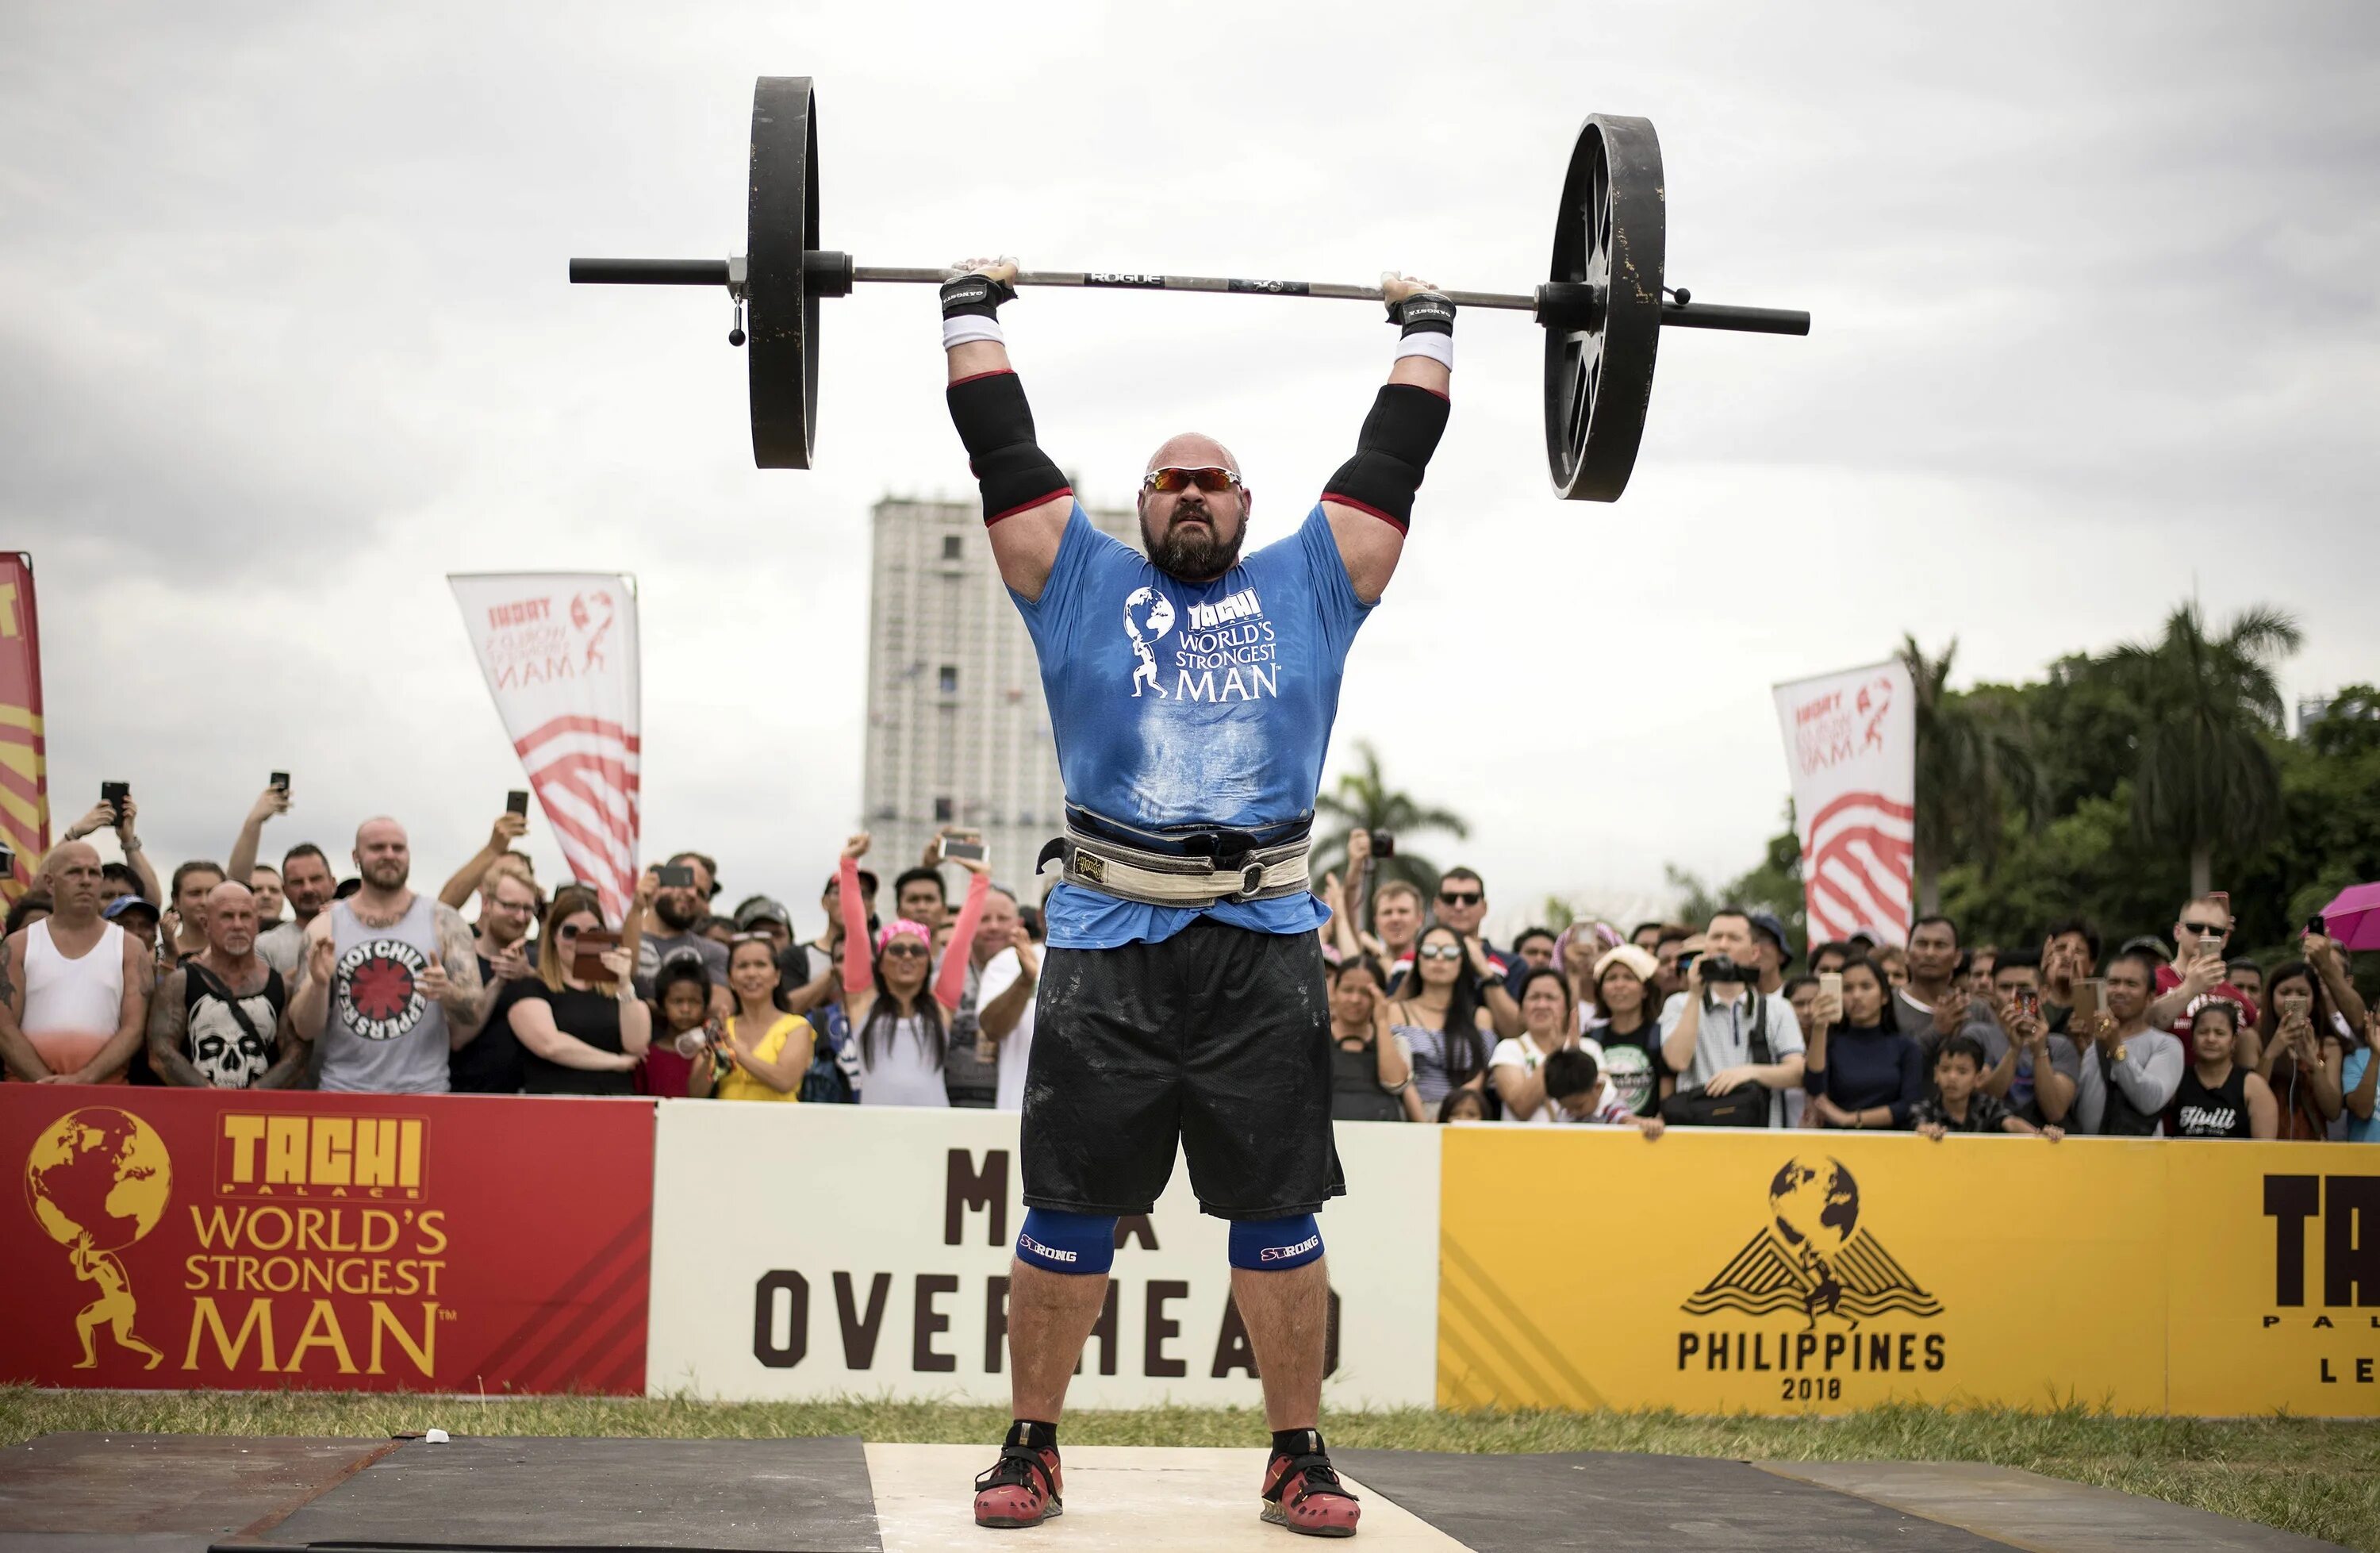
[763,1051]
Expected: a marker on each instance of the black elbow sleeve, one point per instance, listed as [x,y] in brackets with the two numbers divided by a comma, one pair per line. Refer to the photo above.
[996,425]
[1391,452]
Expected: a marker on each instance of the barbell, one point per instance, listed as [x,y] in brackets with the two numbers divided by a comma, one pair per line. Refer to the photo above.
[1602,304]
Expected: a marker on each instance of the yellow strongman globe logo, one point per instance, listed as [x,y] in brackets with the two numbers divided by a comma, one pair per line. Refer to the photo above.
[98,1178]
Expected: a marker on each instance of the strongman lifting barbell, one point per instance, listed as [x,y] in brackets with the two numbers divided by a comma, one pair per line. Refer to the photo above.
[1602,304]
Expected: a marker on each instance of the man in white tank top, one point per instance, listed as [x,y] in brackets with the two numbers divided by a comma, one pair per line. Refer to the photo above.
[390,980]
[73,988]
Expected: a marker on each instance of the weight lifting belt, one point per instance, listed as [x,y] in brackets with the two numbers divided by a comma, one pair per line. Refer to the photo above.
[996,424]
[1390,453]
[1195,868]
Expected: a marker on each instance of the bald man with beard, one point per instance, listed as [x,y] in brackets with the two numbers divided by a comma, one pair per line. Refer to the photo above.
[1192,690]
[74,987]
[390,979]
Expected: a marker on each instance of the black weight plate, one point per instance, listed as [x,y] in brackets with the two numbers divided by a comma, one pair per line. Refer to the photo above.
[782,224]
[1599,378]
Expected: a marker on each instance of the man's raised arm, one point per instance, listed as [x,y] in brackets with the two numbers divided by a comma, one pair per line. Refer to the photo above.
[1369,500]
[1027,501]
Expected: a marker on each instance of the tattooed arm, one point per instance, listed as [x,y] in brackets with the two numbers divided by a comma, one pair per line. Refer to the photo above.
[169,1015]
[288,1070]
[16,1054]
[458,989]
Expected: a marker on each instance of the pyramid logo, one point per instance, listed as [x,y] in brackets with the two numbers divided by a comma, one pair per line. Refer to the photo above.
[1814,1258]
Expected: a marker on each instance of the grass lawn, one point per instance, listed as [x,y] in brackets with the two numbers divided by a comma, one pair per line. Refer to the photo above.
[2322,1479]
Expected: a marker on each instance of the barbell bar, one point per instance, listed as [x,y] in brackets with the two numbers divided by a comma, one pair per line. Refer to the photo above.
[1602,306]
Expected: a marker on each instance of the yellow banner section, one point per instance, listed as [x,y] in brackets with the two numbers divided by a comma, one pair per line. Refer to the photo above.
[1801,1272]
[2273,1300]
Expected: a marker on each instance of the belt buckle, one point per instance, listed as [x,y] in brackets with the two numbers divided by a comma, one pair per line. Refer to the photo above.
[1251,874]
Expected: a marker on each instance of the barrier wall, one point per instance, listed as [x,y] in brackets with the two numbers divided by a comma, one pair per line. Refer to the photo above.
[1794,1272]
[172,1239]
[195,1239]
[863,1251]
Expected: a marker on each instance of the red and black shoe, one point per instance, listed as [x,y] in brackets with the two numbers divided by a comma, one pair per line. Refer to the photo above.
[1021,1489]
[1303,1494]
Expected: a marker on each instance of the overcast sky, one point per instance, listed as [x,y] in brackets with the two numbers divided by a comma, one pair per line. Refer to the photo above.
[284,338]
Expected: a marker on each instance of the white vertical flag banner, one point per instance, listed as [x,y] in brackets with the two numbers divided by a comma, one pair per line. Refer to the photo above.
[559,651]
[1851,740]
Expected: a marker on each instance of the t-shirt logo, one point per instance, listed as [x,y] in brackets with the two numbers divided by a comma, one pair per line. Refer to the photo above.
[1147,616]
[375,987]
[1227,651]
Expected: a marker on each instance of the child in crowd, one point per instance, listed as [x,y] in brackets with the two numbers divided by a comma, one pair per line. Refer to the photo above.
[1575,1083]
[681,1003]
[1462,1105]
[1958,1105]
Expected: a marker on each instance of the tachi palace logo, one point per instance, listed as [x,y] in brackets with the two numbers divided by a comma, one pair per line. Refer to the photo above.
[1813,1258]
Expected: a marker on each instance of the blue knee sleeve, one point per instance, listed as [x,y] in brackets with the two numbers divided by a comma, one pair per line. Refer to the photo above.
[1275,1245]
[1065,1243]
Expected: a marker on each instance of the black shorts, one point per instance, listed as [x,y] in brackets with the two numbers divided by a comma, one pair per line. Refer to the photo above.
[1221,1037]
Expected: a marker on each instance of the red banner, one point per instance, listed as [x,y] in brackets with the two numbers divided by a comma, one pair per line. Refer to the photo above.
[175,1239]
[24,767]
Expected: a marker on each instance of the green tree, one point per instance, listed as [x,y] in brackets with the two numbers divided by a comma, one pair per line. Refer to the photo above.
[1975,760]
[1362,800]
[2212,703]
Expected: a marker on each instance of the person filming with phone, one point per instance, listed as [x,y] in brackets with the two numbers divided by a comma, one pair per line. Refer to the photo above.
[2199,969]
[682,890]
[580,1022]
[2131,1069]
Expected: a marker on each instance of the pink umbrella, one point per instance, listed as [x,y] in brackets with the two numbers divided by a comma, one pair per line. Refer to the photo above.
[2355,918]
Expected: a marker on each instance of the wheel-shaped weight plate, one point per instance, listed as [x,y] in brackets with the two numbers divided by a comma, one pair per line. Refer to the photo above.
[1599,370]
[782,224]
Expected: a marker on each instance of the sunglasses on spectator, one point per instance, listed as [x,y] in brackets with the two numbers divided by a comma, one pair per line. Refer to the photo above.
[904,948]
[1172,478]
[1438,951]
[1461,897]
[2204,928]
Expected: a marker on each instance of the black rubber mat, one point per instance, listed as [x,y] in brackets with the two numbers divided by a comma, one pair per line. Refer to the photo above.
[732,1495]
[1617,1503]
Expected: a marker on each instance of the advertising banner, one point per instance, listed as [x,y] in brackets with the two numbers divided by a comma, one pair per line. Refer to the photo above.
[2274,1301]
[175,1239]
[24,763]
[559,651]
[1801,1272]
[1851,743]
[826,1251]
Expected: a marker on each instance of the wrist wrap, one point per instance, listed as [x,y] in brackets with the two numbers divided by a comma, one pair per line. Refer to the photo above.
[1391,453]
[1429,320]
[975,294]
[996,424]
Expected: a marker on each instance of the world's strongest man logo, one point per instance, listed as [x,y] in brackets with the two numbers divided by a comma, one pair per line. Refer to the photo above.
[377,987]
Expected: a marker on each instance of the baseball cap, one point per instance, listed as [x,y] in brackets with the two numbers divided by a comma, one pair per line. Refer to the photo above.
[762,908]
[1765,923]
[125,905]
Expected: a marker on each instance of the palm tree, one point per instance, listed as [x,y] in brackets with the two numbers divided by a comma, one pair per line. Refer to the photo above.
[2210,702]
[1362,800]
[1974,757]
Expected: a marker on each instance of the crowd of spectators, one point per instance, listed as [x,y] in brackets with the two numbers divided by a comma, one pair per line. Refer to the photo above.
[245,975]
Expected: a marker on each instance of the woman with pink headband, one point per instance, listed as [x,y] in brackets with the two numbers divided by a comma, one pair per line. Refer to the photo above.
[900,1030]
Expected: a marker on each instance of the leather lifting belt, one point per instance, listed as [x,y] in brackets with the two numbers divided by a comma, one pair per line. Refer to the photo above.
[1199,867]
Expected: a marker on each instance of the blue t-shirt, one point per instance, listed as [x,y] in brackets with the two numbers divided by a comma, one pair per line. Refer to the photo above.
[1182,704]
[2360,1130]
